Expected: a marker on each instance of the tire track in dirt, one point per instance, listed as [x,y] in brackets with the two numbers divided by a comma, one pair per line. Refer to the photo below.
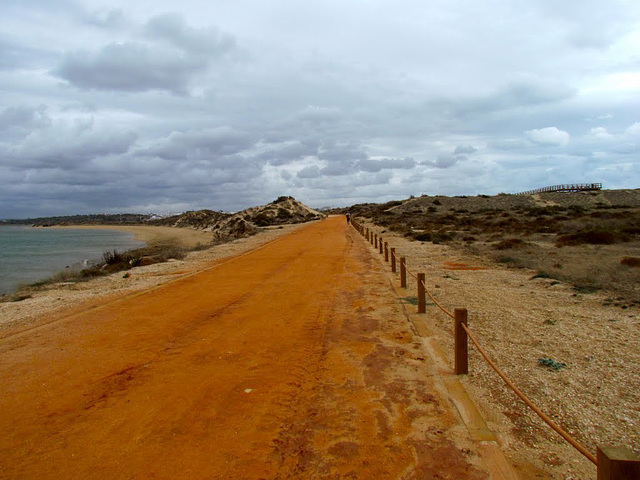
[293,361]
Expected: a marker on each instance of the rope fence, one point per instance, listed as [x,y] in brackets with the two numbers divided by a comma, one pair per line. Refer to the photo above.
[613,463]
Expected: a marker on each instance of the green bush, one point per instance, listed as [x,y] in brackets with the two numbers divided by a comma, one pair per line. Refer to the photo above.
[551,363]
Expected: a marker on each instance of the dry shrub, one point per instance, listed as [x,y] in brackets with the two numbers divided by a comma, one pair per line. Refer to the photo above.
[590,237]
[630,261]
[510,243]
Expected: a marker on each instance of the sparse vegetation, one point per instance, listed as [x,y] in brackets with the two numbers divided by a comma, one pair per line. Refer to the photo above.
[590,241]
[510,243]
[590,237]
[551,363]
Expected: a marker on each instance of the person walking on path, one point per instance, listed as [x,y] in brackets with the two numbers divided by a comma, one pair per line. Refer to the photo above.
[348,217]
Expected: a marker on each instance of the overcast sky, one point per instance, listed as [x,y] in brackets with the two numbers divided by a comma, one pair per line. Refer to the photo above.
[164,106]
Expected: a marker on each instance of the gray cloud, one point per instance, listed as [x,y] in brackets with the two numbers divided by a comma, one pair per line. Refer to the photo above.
[445,161]
[207,144]
[173,29]
[210,107]
[371,165]
[131,67]
[110,19]
[285,153]
[462,149]
[312,171]
[21,120]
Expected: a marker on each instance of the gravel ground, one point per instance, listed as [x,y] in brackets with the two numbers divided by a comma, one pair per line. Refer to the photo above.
[519,320]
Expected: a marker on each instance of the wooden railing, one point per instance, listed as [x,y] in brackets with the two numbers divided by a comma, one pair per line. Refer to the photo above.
[613,463]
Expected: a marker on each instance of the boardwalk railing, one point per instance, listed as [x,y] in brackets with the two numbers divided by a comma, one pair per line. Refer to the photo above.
[613,463]
[571,187]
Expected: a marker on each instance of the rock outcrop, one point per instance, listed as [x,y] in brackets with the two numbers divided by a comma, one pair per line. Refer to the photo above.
[283,211]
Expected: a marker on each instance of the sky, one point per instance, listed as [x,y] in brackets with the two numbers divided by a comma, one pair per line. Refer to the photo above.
[158,106]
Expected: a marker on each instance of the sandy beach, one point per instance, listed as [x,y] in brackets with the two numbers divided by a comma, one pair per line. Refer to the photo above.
[61,299]
[149,235]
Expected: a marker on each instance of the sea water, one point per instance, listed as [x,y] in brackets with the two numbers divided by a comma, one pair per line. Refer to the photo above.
[28,254]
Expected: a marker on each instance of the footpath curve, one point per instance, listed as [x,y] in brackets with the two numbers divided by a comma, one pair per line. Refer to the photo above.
[295,360]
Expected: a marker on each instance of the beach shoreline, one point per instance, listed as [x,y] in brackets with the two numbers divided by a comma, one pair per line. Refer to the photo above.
[149,234]
[58,300]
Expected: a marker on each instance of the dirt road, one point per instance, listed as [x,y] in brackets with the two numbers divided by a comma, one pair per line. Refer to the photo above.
[292,361]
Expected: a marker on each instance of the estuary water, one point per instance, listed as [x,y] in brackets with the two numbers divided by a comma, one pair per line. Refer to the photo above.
[29,254]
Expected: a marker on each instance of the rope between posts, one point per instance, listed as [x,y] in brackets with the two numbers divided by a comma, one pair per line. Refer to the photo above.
[431,296]
[437,303]
[574,443]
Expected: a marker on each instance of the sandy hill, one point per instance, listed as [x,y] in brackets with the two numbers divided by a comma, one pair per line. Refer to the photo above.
[199,220]
[284,210]
[601,198]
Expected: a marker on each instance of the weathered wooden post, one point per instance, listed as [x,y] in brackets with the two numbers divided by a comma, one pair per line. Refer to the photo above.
[375,240]
[380,244]
[618,463]
[393,260]
[422,301]
[403,272]
[461,365]
[386,251]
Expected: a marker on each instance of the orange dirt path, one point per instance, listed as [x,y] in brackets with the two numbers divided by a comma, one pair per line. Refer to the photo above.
[292,361]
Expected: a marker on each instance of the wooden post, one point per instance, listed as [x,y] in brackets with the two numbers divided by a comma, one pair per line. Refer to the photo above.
[380,243]
[618,463]
[422,301]
[386,251]
[393,260]
[461,366]
[375,240]
[403,272]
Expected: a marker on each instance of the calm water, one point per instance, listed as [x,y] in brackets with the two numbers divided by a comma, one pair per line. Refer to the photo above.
[30,254]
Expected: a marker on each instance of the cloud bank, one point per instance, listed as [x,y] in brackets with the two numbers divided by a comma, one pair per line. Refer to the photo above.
[162,107]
